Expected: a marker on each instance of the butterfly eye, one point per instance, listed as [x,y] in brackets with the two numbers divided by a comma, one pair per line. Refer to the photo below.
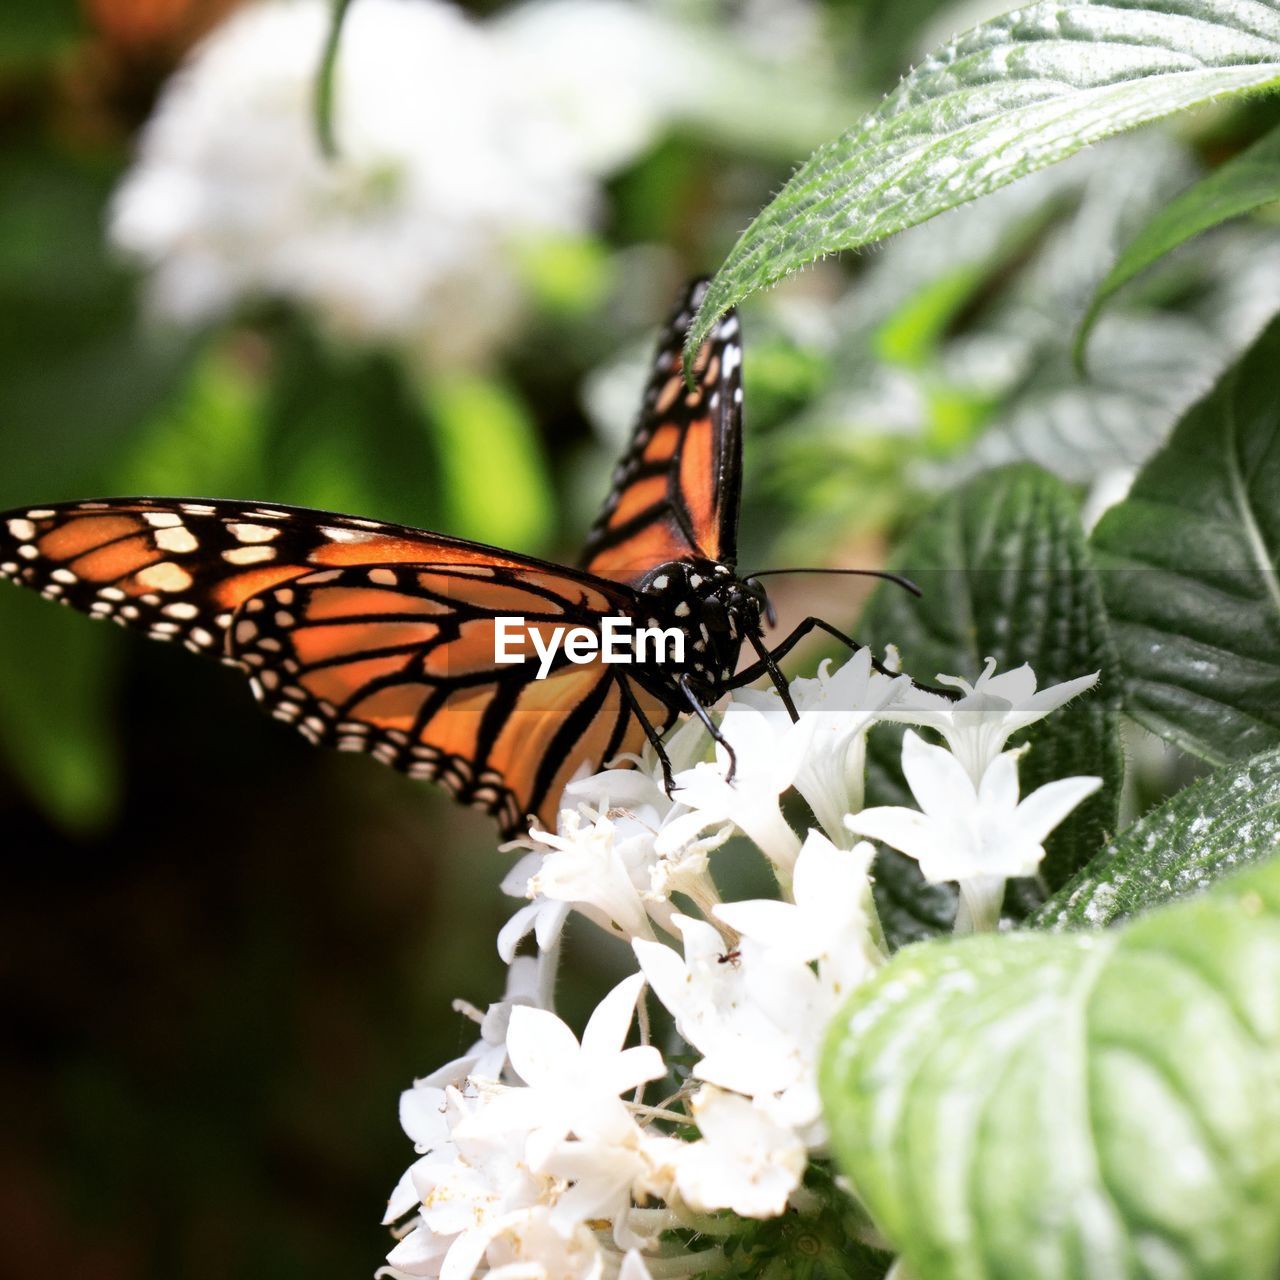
[757,592]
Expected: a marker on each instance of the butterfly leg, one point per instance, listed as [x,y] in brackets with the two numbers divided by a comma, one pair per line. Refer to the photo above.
[770,665]
[809,625]
[651,732]
[690,691]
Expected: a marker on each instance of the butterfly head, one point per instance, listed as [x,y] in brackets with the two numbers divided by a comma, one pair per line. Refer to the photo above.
[715,609]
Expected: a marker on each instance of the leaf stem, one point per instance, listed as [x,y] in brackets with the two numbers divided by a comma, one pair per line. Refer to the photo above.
[324,91]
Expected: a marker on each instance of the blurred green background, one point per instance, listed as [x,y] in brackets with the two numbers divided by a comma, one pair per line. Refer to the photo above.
[224,953]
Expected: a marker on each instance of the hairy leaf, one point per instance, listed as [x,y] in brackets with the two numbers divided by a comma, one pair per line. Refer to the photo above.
[1014,94]
[1214,826]
[1075,1104]
[1189,573]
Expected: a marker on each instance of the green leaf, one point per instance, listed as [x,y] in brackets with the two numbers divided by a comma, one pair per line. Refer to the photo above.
[1244,183]
[1014,94]
[1189,570]
[1081,1104]
[1213,827]
[1006,574]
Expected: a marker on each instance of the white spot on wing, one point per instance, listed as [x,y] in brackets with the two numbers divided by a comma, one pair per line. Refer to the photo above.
[249,555]
[252,532]
[178,540]
[165,576]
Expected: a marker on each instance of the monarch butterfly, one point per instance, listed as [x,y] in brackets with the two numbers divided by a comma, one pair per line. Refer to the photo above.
[379,638]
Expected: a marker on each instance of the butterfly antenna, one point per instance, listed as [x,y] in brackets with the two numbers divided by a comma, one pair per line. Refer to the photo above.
[905,583]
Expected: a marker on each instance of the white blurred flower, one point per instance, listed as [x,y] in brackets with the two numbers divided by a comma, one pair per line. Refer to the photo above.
[742,1161]
[977,725]
[608,74]
[458,143]
[978,835]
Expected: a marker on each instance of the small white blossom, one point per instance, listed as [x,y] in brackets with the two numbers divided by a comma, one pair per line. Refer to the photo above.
[526,1245]
[486,1058]
[571,1086]
[636,802]
[587,867]
[756,1017]
[743,1161]
[543,917]
[978,835]
[829,919]
[764,769]
[978,725]
[836,710]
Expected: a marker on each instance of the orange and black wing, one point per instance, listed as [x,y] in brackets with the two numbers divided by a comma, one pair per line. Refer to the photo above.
[399,661]
[675,493]
[178,568]
[368,636]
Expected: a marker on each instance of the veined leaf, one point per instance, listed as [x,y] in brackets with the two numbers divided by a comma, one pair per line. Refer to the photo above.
[1214,826]
[1189,570]
[1005,574]
[1244,183]
[1011,96]
[1083,1104]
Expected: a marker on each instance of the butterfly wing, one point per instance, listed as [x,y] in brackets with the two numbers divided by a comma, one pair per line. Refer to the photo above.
[178,569]
[676,491]
[369,636]
[399,661]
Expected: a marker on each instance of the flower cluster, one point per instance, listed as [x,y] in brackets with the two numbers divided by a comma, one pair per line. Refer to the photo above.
[459,142]
[540,1154]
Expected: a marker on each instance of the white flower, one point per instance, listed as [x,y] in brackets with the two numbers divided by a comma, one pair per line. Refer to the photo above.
[543,917]
[978,835]
[610,74]
[587,867]
[462,1185]
[744,1160]
[836,710]
[458,143]
[763,771]
[525,1245]
[757,1018]
[828,920]
[486,1058]
[606,1174]
[993,708]
[572,1087]
[659,862]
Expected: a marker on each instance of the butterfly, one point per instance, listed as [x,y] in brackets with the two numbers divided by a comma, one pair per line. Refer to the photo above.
[380,638]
